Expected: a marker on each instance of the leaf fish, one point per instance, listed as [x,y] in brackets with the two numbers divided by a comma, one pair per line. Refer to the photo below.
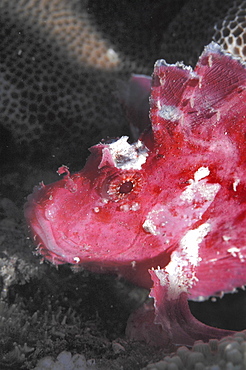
[173,201]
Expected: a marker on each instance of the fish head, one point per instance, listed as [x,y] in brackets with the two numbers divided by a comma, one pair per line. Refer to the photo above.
[96,217]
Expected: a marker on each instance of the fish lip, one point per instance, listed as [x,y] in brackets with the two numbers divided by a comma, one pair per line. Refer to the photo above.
[45,246]
[45,241]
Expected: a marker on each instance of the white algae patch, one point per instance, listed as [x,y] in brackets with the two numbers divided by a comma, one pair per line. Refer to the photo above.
[128,156]
[179,274]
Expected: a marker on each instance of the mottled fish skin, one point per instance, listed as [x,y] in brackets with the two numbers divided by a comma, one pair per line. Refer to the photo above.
[176,195]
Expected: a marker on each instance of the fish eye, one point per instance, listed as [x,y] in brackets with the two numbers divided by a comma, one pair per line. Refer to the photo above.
[122,185]
[126,187]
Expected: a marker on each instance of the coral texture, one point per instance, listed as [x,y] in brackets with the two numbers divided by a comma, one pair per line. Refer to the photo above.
[60,63]
[230,32]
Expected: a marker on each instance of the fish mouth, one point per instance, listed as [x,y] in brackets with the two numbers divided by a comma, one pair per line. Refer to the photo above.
[42,233]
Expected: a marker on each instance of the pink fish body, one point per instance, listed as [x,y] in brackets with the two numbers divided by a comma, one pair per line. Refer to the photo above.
[176,197]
